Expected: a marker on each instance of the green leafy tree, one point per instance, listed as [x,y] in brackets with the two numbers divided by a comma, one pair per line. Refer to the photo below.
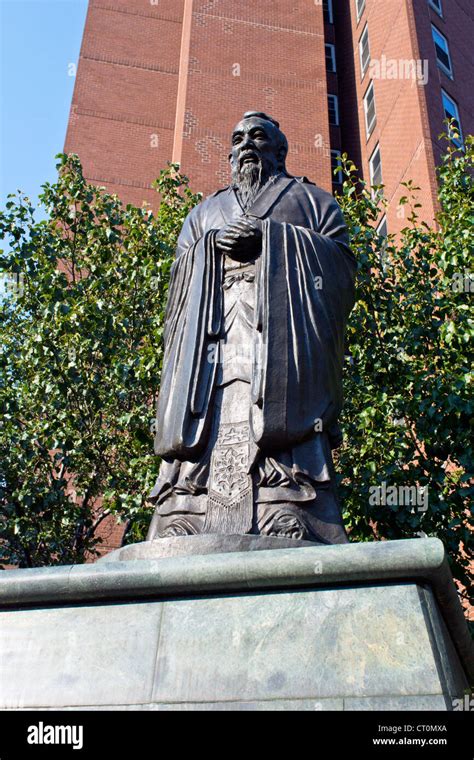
[408,381]
[80,360]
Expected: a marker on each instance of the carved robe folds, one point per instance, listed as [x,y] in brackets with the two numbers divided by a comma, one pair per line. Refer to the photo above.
[251,384]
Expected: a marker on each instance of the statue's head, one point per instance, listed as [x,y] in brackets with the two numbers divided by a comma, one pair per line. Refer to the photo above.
[259,148]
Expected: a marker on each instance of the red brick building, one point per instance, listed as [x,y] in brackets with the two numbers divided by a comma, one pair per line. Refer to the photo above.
[404,66]
[162,80]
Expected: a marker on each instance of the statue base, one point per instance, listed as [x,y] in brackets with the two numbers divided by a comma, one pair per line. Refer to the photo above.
[201,544]
[349,627]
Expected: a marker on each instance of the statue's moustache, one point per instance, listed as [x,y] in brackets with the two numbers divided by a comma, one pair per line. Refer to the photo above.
[249,154]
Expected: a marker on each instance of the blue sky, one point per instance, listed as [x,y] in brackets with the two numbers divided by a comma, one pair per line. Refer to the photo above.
[39,40]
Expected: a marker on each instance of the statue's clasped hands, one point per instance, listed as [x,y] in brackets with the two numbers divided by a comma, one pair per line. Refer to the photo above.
[241,239]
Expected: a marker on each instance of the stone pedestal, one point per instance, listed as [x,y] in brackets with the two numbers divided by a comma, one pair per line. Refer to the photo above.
[348,627]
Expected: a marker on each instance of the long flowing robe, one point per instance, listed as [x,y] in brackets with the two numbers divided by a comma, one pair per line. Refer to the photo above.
[304,291]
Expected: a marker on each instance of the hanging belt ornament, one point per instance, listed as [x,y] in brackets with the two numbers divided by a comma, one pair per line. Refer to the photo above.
[230,495]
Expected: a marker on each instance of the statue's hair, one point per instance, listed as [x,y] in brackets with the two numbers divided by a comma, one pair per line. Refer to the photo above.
[261,115]
[283,142]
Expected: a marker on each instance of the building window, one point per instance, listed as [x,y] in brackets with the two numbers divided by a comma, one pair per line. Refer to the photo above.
[364,50]
[442,52]
[451,112]
[335,164]
[333,107]
[369,109]
[375,167]
[436,5]
[327,10]
[330,58]
[360,5]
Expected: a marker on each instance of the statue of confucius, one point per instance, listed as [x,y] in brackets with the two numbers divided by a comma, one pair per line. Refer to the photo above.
[260,292]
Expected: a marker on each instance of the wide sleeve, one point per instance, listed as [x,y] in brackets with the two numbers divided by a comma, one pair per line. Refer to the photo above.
[192,326]
[305,294]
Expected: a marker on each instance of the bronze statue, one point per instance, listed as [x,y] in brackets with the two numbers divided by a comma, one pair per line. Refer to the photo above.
[250,395]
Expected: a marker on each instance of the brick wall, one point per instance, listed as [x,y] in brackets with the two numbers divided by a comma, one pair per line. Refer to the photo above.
[123,109]
[145,93]
[409,115]
[266,56]
[457,26]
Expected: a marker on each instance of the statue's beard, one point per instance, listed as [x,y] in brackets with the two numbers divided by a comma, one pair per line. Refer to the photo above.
[249,180]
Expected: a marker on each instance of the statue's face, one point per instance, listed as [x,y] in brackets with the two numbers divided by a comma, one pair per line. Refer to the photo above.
[255,141]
